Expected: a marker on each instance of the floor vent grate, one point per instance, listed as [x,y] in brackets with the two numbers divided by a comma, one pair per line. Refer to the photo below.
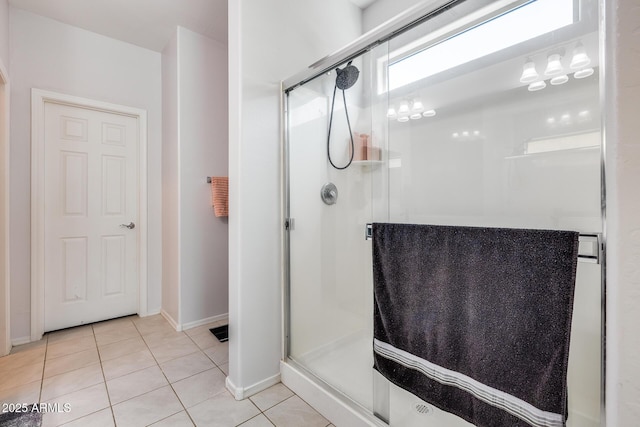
[422,408]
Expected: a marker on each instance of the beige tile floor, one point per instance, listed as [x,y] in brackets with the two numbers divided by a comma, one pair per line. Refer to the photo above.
[140,372]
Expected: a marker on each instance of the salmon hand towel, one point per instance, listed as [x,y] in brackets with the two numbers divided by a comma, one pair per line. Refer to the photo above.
[220,195]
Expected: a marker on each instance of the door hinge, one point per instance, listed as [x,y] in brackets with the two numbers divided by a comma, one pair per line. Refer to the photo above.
[289,224]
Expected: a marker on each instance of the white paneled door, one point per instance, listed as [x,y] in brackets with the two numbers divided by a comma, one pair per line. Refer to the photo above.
[91,209]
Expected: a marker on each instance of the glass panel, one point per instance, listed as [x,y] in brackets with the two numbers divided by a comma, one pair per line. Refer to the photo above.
[330,260]
[505,133]
[481,141]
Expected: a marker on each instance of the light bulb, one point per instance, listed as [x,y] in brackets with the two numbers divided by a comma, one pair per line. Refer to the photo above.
[558,80]
[554,65]
[403,119]
[391,112]
[429,113]
[416,109]
[583,73]
[580,58]
[533,87]
[404,109]
[529,73]
[417,106]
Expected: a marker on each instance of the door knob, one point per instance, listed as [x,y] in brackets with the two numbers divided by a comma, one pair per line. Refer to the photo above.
[130,226]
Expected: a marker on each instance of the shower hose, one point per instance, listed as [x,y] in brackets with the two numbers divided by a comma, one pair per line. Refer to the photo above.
[344,98]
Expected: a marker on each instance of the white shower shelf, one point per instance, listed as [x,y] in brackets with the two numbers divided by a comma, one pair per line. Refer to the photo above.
[368,163]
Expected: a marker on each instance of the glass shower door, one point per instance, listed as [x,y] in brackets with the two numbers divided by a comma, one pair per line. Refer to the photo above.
[330,297]
[494,121]
[483,116]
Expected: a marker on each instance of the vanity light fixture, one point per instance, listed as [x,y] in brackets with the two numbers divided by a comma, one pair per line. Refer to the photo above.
[404,109]
[409,110]
[554,65]
[559,80]
[536,86]
[583,73]
[416,110]
[580,58]
[403,112]
[529,73]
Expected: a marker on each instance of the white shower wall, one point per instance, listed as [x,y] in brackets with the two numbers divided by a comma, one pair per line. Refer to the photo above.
[486,179]
[334,268]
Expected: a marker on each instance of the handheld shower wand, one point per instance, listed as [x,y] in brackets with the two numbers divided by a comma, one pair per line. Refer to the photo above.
[345,79]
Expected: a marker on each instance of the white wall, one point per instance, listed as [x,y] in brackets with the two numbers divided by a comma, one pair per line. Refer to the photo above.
[623,205]
[204,151]
[269,40]
[49,55]
[4,175]
[4,32]
[195,145]
[170,182]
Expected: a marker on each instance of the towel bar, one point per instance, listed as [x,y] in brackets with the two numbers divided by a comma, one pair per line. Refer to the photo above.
[589,250]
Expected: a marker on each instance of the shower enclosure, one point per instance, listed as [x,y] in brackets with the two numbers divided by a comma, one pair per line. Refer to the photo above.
[480,113]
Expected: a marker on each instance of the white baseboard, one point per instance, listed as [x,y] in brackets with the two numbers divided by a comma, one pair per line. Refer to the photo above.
[21,340]
[235,391]
[332,407]
[201,322]
[151,312]
[175,325]
[240,393]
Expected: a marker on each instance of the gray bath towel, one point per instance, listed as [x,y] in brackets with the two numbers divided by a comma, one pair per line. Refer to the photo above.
[476,321]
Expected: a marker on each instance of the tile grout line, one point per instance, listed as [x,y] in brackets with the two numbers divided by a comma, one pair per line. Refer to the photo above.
[214,364]
[44,363]
[113,416]
[167,379]
[105,386]
[261,413]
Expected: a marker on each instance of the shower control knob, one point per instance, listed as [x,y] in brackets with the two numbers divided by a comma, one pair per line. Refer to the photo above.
[329,194]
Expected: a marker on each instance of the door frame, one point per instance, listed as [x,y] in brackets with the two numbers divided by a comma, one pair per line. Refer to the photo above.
[5,283]
[38,100]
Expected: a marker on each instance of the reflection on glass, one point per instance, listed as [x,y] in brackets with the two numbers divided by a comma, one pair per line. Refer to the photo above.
[522,24]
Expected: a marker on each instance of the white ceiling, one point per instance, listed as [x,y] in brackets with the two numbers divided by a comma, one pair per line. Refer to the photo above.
[146,23]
